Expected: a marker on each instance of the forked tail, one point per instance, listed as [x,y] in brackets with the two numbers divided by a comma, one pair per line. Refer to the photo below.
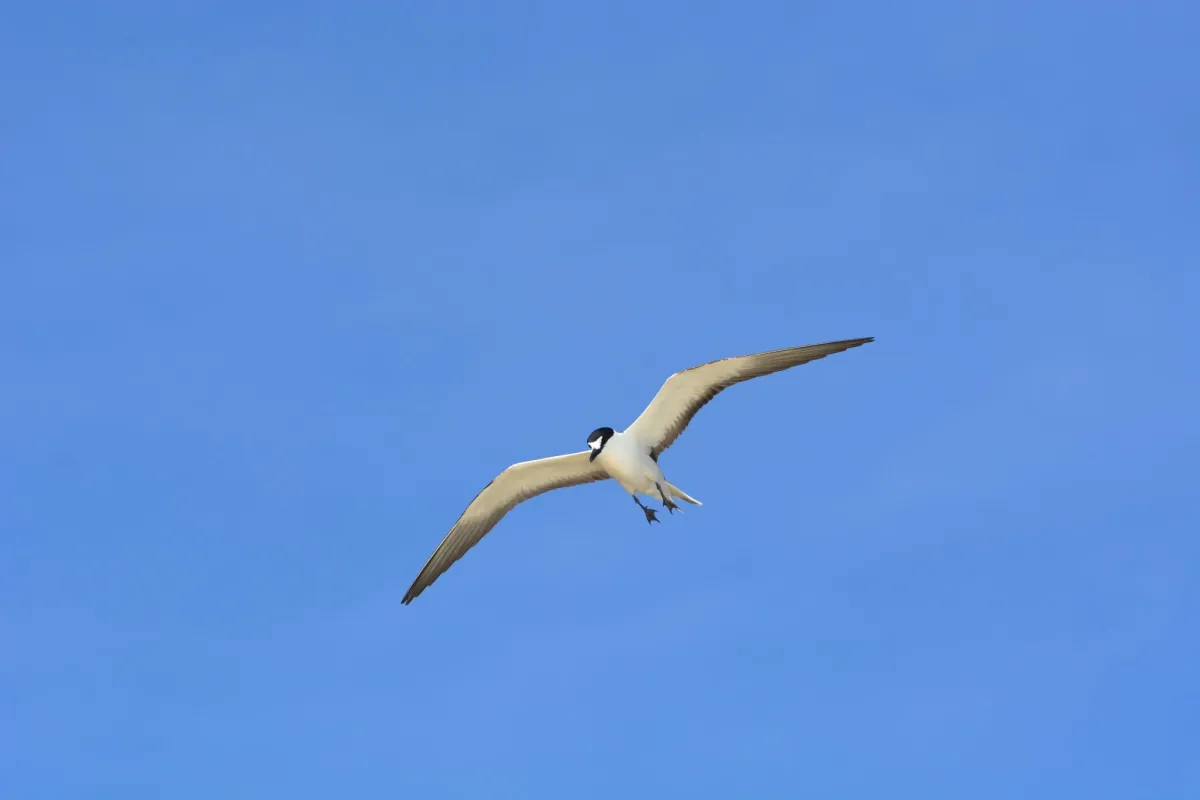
[680,494]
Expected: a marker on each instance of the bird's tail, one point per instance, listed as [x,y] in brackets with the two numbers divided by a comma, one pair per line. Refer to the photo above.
[682,495]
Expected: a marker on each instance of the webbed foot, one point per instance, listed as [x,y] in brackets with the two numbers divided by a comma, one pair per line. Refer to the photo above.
[667,502]
[650,512]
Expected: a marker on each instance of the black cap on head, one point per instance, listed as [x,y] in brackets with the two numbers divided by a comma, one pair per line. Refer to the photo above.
[596,441]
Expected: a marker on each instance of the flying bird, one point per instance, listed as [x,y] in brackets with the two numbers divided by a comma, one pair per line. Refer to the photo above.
[630,457]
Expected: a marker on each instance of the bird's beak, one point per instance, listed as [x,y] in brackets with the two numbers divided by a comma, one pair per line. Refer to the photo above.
[592,455]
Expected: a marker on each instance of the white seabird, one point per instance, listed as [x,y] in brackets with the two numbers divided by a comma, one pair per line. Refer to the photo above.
[630,457]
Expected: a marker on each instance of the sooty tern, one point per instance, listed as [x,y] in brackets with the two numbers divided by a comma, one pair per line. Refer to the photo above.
[630,457]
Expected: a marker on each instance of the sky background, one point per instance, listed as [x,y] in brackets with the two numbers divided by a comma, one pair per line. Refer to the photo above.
[284,286]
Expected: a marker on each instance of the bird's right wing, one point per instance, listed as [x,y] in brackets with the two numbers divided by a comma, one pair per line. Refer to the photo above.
[507,490]
[686,392]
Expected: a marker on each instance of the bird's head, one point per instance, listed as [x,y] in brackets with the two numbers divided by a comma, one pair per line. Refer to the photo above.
[596,441]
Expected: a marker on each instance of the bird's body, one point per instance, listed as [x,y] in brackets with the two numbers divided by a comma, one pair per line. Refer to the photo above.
[628,462]
[629,457]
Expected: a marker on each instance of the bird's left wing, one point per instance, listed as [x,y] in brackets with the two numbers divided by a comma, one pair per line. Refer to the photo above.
[686,392]
[507,490]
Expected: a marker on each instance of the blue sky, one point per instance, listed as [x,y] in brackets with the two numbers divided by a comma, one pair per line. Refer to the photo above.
[284,286]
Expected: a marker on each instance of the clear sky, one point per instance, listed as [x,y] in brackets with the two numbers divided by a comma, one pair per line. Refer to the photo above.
[284,286]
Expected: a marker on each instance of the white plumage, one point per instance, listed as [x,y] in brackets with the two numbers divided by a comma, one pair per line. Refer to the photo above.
[630,457]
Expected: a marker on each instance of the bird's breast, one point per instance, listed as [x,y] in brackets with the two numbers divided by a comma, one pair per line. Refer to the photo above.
[624,460]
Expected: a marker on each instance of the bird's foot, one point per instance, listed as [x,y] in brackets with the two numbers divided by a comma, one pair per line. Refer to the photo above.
[667,502]
[650,515]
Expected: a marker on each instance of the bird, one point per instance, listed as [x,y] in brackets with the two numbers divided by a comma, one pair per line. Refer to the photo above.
[630,457]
